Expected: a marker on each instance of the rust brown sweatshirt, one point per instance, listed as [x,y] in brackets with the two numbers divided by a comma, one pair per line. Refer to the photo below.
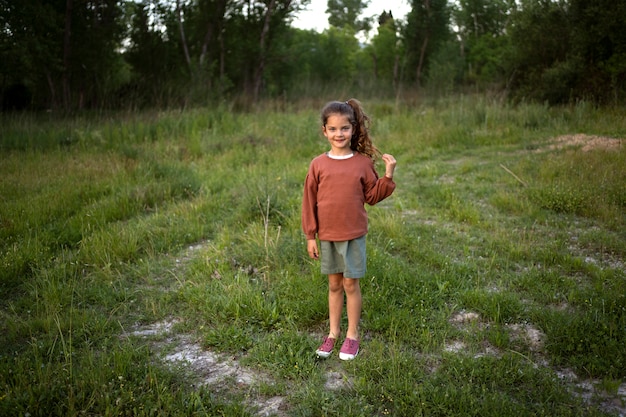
[335,193]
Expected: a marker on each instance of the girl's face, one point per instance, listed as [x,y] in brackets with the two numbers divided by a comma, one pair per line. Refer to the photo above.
[338,130]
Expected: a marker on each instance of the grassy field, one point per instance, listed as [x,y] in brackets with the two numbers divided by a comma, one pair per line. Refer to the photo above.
[152,264]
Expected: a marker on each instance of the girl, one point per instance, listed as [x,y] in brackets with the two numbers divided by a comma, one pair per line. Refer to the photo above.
[337,186]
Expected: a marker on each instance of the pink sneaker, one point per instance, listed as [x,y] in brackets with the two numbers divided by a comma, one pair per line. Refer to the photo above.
[326,348]
[349,349]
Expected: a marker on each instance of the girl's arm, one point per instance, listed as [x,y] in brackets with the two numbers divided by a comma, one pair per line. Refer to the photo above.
[309,212]
[377,189]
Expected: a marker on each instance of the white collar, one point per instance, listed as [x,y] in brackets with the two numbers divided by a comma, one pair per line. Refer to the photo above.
[339,156]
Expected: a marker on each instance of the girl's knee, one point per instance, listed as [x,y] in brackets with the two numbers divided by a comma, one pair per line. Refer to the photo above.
[335,287]
[335,282]
[351,285]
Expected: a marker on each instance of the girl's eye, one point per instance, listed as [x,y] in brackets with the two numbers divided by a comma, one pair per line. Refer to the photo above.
[343,129]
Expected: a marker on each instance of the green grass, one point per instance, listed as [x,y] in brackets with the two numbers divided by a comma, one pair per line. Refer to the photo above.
[109,224]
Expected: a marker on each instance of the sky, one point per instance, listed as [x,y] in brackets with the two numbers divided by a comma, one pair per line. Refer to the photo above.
[315,18]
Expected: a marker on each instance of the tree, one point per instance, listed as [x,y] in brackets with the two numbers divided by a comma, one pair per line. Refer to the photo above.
[385,50]
[336,58]
[91,63]
[30,49]
[228,44]
[301,51]
[475,18]
[251,34]
[538,66]
[481,28]
[346,13]
[568,50]
[598,42]
[427,28]
[154,56]
[64,45]
[200,26]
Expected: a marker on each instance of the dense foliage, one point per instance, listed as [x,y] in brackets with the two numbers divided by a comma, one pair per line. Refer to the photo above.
[74,54]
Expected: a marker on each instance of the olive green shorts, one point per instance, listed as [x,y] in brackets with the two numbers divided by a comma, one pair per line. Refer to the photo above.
[347,257]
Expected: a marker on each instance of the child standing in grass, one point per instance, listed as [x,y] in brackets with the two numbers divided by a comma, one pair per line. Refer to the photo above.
[337,186]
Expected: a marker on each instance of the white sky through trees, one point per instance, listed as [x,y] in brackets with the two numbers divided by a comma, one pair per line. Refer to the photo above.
[315,17]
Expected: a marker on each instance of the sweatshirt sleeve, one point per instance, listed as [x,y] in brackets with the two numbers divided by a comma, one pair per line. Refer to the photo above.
[309,206]
[378,189]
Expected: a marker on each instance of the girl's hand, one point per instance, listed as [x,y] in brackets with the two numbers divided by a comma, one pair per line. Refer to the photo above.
[390,165]
[311,247]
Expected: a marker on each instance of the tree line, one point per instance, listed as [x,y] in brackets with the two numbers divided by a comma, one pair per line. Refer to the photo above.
[81,54]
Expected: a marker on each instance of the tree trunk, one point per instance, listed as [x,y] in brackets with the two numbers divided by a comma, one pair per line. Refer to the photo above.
[211,27]
[375,64]
[53,96]
[420,65]
[258,76]
[183,39]
[222,60]
[205,44]
[396,71]
[67,53]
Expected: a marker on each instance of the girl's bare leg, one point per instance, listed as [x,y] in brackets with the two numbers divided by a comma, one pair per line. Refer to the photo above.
[353,305]
[335,303]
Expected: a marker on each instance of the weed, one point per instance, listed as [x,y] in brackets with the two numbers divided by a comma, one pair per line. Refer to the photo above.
[498,260]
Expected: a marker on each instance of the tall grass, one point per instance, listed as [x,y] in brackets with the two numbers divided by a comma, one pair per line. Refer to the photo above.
[491,234]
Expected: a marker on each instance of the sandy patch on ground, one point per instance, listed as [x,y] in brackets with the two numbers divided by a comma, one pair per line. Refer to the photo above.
[217,371]
[586,143]
[221,372]
[588,389]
